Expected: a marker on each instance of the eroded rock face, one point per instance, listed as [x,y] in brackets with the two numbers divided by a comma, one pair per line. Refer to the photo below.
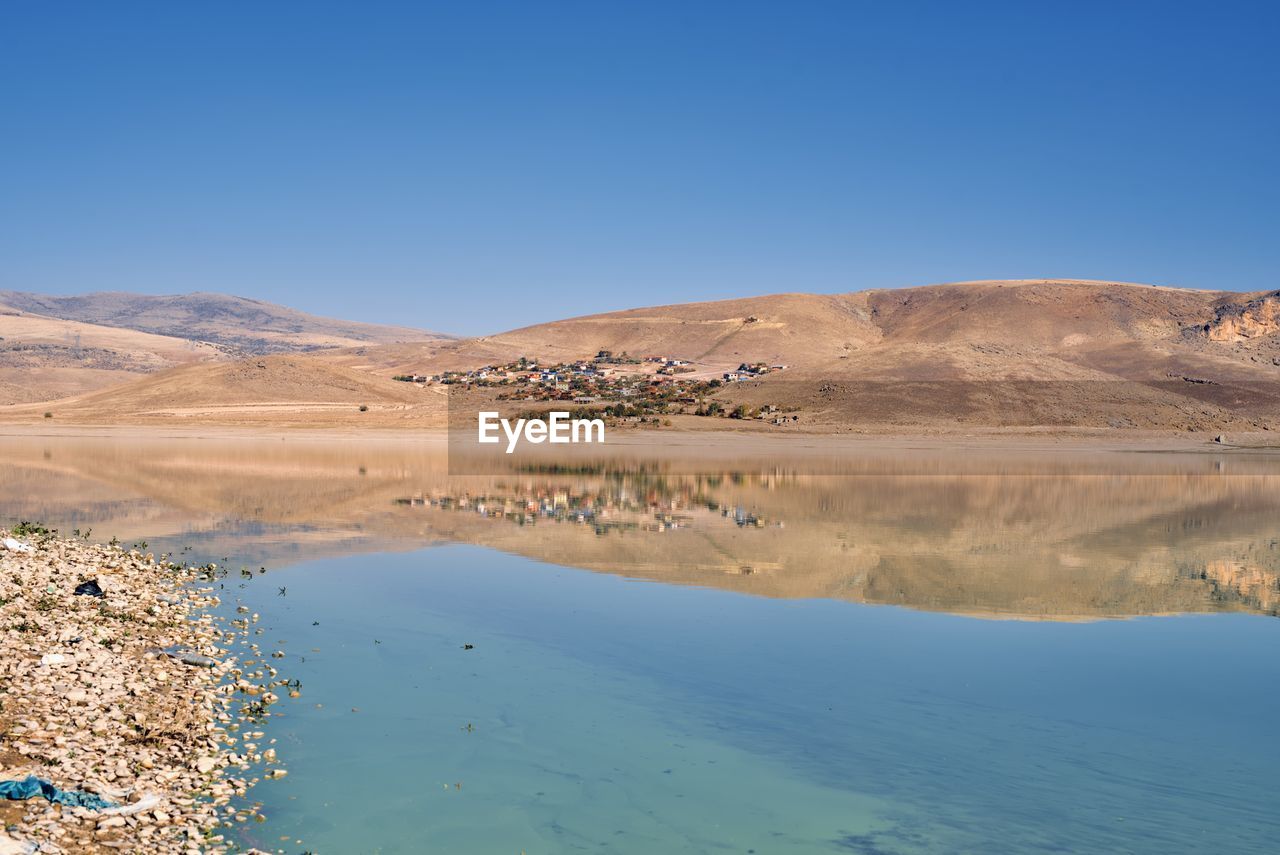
[1254,319]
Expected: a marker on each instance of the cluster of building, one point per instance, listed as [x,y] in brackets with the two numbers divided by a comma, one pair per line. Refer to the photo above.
[748,370]
[623,386]
[604,376]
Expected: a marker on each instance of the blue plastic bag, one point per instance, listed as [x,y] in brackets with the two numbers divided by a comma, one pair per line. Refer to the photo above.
[31,786]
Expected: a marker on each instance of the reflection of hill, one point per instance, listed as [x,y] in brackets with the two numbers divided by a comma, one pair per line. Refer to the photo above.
[1094,536]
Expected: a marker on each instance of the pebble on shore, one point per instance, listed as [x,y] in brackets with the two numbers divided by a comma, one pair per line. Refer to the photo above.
[90,700]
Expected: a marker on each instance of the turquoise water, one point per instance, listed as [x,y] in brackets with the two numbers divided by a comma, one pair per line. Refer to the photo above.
[750,697]
[611,715]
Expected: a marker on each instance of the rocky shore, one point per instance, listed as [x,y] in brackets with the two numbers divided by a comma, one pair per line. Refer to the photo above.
[119,685]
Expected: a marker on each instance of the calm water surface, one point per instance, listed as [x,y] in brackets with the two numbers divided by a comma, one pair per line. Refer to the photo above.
[757,659]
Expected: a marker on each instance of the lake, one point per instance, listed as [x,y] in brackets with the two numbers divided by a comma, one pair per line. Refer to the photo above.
[839,649]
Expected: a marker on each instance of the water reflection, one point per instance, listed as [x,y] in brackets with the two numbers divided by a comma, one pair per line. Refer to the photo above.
[466,699]
[1032,534]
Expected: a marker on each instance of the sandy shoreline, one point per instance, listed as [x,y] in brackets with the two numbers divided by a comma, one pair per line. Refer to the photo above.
[749,438]
[128,691]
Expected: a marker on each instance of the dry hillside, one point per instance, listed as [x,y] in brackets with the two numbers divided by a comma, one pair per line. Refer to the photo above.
[979,354]
[1001,353]
[266,391]
[238,323]
[789,328]
[1029,328]
[43,358]
[57,347]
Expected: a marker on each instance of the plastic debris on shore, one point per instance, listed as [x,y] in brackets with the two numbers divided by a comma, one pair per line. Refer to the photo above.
[17,546]
[31,786]
[90,589]
[186,657]
[145,803]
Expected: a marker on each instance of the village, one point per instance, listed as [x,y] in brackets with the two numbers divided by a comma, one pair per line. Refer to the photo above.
[616,386]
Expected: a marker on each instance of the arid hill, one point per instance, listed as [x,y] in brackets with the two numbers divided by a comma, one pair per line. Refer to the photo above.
[241,325]
[1004,354]
[267,391]
[43,358]
[788,328]
[963,329]
[1051,353]
[57,347]
[1071,319]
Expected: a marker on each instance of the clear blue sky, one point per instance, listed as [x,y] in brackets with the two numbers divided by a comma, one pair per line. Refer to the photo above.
[476,166]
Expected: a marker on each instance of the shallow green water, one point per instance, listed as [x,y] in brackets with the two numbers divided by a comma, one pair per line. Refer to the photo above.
[623,716]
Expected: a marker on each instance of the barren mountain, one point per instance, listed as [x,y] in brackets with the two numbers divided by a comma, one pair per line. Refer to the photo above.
[1000,353]
[238,323]
[43,358]
[56,347]
[1031,328]
[1043,353]
[791,328]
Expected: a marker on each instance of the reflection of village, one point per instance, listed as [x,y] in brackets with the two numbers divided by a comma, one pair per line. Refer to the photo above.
[619,385]
[608,507]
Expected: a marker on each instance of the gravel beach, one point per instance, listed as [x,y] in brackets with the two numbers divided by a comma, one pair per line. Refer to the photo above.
[129,690]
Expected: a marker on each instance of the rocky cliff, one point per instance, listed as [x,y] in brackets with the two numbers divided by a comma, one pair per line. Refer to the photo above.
[1257,318]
